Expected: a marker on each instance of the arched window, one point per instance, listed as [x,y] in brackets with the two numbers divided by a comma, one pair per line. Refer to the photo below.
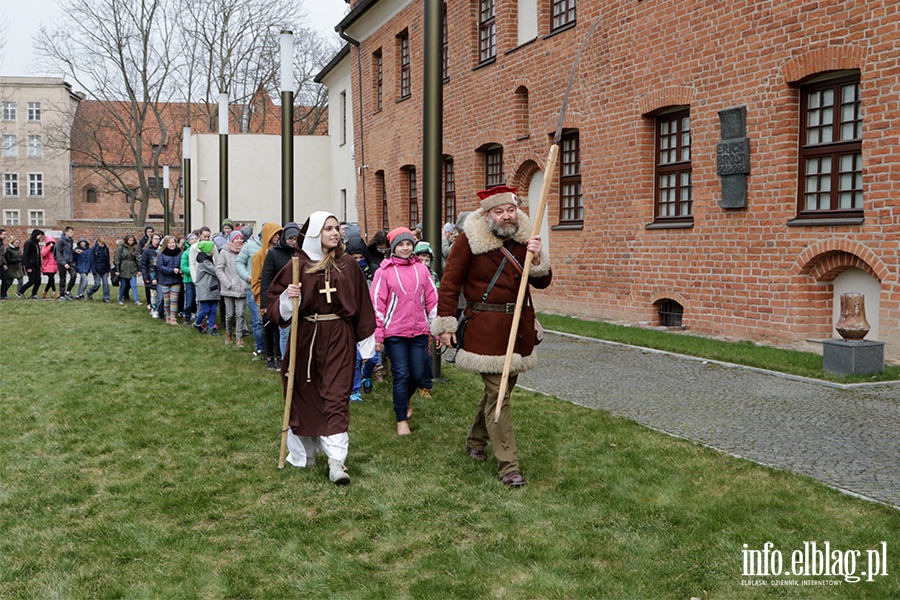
[90,195]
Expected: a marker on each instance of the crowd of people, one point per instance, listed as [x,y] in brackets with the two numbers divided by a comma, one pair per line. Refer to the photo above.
[361,305]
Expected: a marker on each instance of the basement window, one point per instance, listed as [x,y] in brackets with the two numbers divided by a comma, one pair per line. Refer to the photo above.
[670,313]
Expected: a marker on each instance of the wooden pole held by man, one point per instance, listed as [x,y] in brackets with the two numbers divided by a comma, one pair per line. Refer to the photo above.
[536,218]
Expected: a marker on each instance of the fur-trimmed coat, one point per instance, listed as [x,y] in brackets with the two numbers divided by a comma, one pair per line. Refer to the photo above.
[474,258]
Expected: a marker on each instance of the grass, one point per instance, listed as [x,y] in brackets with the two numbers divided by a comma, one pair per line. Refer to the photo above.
[138,460]
[793,362]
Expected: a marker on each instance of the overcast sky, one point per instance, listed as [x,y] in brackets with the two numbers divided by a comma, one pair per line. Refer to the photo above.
[24,18]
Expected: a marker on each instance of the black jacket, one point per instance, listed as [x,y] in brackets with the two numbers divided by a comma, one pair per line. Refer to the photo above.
[31,252]
[276,259]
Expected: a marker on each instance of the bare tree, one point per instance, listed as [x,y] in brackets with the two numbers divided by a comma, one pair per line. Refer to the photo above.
[4,27]
[119,52]
[233,46]
[135,57]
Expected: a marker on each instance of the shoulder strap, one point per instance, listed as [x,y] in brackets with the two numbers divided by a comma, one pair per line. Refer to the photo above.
[494,279]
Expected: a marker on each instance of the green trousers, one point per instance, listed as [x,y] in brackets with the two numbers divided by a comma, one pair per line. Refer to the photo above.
[499,434]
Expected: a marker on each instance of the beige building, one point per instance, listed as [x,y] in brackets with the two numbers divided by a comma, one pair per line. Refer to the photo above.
[36,116]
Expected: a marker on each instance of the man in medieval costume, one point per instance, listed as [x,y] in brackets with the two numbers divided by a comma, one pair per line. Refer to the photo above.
[485,263]
[336,318]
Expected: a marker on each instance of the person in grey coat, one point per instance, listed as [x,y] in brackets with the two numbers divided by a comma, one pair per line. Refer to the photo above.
[206,287]
[232,287]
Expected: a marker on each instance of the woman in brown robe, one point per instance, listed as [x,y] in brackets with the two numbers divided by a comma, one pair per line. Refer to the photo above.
[336,317]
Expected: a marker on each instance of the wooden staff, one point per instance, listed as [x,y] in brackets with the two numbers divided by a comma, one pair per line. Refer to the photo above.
[537,219]
[295,319]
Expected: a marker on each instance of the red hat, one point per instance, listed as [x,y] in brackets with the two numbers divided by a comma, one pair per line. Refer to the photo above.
[497,196]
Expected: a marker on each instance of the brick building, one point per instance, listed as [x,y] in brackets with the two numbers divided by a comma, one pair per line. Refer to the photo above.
[652,217]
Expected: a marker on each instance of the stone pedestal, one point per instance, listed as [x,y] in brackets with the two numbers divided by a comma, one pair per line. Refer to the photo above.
[853,357]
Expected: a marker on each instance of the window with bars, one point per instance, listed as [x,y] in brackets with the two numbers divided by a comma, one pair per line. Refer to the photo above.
[382,194]
[35,146]
[378,71]
[36,184]
[674,193]
[449,191]
[405,72]
[36,218]
[831,148]
[487,31]
[563,12]
[571,208]
[445,55]
[493,166]
[11,184]
[34,111]
[10,146]
[412,196]
[9,110]
[11,217]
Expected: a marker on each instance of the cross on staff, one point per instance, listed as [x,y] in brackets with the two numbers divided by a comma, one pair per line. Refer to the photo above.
[327,290]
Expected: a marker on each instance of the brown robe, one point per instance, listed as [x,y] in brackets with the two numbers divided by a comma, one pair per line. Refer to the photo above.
[321,406]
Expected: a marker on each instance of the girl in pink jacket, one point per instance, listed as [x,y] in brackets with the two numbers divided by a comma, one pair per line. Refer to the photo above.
[405,301]
[49,267]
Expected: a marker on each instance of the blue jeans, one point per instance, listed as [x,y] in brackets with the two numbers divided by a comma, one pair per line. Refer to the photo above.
[134,289]
[98,280]
[189,298]
[208,308]
[285,337]
[368,367]
[82,284]
[255,322]
[408,368]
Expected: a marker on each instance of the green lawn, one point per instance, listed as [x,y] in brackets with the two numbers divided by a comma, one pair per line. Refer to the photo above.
[138,460]
[794,362]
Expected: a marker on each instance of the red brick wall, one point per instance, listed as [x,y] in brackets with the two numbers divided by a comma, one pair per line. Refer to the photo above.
[738,273]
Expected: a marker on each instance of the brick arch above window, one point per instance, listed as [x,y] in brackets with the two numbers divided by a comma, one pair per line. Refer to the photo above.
[825,260]
[675,95]
[572,120]
[487,138]
[821,60]
[522,178]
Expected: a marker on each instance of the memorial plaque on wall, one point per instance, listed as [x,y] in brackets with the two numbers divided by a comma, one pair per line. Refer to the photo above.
[733,157]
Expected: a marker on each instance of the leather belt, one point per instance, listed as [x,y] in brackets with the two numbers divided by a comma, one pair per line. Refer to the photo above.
[509,308]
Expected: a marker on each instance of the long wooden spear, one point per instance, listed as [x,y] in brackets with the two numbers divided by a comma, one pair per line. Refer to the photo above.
[537,219]
[289,393]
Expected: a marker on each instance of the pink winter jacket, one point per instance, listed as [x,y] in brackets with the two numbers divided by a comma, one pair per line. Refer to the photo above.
[48,262]
[404,297]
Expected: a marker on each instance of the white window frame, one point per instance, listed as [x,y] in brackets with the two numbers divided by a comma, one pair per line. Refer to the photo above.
[35,218]
[9,110]
[35,146]
[11,185]
[35,180]
[34,112]
[11,217]
[10,145]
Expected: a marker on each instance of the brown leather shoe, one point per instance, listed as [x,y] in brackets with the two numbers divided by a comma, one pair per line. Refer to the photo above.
[478,455]
[513,479]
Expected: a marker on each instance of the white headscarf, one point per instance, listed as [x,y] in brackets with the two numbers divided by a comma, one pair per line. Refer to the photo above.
[312,240]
